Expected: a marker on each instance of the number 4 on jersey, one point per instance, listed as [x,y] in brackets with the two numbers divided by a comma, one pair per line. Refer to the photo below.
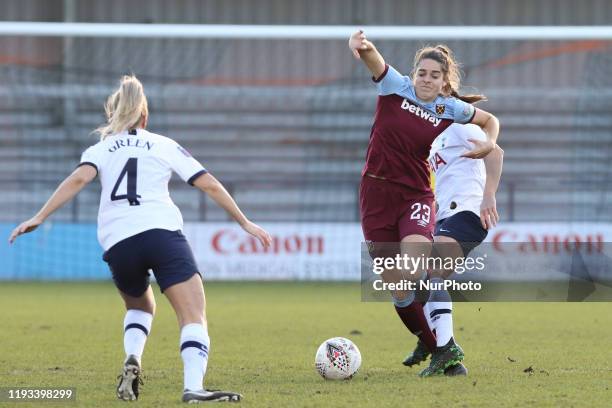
[131,169]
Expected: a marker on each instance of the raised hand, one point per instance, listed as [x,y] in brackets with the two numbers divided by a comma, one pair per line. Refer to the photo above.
[358,41]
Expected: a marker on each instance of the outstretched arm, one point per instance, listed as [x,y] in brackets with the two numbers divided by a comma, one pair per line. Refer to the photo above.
[367,52]
[215,190]
[66,191]
[488,208]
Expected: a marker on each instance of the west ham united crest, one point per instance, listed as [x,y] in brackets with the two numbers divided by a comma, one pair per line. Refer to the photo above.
[440,108]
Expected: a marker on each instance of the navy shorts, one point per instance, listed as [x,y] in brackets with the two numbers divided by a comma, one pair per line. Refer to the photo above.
[465,228]
[165,252]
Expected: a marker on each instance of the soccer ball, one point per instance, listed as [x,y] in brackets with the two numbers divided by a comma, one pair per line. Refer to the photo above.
[337,359]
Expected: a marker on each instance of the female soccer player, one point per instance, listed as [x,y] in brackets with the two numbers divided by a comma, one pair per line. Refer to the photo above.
[139,228]
[465,196]
[395,197]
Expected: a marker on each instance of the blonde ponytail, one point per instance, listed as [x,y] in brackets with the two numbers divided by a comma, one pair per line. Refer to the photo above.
[125,108]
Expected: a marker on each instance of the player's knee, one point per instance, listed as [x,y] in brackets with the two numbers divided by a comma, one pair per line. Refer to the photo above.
[403,299]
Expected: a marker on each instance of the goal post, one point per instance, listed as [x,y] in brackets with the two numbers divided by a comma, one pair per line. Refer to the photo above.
[303,32]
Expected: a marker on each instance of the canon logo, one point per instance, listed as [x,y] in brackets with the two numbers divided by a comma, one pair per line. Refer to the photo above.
[229,242]
[547,243]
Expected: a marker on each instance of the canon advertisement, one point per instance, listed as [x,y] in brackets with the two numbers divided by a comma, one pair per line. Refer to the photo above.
[331,251]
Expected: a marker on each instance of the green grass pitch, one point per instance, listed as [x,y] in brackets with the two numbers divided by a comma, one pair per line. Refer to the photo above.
[264,337]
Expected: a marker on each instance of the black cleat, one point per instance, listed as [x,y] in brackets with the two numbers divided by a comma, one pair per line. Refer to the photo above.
[420,354]
[444,357]
[129,380]
[454,370]
[194,397]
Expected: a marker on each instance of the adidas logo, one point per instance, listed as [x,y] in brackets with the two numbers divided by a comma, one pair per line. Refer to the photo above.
[422,113]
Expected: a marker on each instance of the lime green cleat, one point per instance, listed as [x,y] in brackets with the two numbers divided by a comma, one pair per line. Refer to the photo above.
[443,358]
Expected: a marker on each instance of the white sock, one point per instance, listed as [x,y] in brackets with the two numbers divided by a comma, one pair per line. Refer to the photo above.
[442,322]
[137,326]
[427,311]
[439,312]
[195,345]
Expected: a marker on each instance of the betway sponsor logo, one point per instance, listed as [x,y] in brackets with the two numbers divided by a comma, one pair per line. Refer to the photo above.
[422,113]
[229,242]
[552,243]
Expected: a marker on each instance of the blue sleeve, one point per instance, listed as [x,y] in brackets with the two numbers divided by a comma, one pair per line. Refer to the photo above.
[391,81]
[463,112]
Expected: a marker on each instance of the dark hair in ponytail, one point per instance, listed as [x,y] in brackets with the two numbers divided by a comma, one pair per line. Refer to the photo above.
[450,69]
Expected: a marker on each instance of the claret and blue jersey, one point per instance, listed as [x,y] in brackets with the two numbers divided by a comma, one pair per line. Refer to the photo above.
[405,127]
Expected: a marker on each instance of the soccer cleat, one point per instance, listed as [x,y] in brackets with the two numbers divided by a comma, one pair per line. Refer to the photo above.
[444,357]
[455,370]
[194,397]
[420,354]
[129,380]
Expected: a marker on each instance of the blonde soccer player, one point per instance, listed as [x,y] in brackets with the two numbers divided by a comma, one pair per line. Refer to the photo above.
[139,228]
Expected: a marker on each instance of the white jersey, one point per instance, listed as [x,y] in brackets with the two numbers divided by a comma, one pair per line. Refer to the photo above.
[134,170]
[459,181]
